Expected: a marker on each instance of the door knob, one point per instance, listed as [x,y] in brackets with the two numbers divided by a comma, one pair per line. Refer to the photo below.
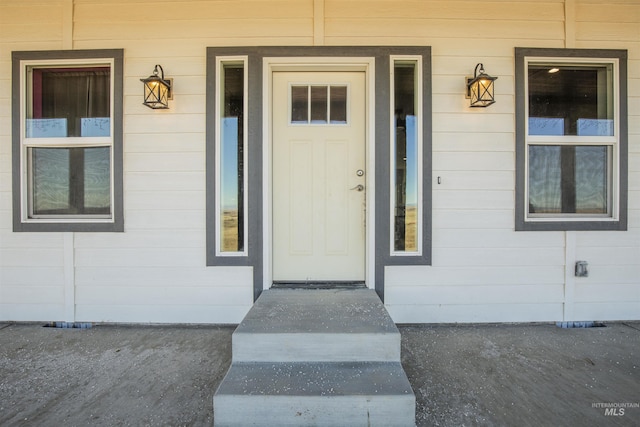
[358,187]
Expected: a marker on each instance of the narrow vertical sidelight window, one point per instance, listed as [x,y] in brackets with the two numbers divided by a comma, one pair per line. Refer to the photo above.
[231,159]
[406,154]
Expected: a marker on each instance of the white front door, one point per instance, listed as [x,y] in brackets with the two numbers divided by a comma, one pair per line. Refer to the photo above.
[318,176]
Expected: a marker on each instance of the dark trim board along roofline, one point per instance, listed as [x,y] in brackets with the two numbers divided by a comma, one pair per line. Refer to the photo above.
[382,56]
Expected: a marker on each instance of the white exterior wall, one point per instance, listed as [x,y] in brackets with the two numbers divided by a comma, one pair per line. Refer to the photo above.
[612,290]
[483,271]
[32,272]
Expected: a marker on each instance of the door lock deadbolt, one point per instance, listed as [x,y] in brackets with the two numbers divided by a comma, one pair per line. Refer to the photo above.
[360,172]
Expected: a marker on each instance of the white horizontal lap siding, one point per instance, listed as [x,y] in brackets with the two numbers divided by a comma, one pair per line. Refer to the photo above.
[625,293]
[607,21]
[155,271]
[476,313]
[31,266]
[43,23]
[165,171]
[161,313]
[160,294]
[389,22]
[194,23]
[32,275]
[159,262]
[482,270]
[612,290]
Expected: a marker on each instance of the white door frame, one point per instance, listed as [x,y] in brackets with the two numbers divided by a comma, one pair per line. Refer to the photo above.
[363,64]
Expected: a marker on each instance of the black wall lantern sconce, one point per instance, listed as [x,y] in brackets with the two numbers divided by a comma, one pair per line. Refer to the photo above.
[157,90]
[480,88]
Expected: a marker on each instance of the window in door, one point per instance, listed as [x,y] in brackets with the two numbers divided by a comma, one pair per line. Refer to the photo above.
[318,104]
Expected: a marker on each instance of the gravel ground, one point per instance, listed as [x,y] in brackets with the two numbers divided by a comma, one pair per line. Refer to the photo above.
[111,376]
[523,375]
[488,375]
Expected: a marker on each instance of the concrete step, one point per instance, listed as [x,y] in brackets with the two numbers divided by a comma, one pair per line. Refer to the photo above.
[329,325]
[319,394]
[327,357]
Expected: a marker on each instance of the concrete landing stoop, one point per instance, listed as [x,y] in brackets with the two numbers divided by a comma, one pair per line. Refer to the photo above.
[327,357]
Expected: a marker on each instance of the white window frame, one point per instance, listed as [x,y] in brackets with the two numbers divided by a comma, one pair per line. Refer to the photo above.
[62,142]
[221,61]
[613,142]
[417,59]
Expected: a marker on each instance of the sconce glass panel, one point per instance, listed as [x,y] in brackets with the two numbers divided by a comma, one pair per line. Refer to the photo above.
[156,94]
[481,92]
[405,163]
[231,161]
